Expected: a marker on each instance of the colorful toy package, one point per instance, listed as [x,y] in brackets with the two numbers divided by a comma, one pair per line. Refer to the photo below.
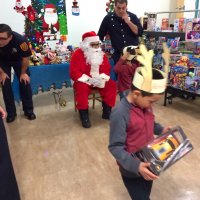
[178,76]
[192,30]
[192,81]
[185,74]
[165,150]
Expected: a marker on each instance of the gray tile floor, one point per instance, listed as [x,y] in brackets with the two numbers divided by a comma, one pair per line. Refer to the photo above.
[56,159]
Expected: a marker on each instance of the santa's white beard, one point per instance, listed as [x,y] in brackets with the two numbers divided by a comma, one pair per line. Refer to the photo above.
[94,57]
[51,18]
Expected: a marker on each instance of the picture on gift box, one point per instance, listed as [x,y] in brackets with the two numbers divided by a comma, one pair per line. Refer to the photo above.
[163,149]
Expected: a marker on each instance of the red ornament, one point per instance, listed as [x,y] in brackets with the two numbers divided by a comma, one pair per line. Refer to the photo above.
[30,13]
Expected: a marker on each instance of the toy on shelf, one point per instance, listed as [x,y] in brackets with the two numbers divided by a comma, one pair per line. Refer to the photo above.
[192,30]
[165,150]
[183,61]
[34,60]
[185,74]
[151,23]
[107,46]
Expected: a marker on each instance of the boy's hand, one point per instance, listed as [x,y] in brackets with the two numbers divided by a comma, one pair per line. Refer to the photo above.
[166,129]
[145,172]
[126,55]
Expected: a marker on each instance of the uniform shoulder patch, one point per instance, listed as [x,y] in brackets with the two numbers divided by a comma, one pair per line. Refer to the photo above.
[24,46]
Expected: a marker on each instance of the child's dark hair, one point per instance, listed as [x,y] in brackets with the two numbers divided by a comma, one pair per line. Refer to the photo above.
[5,28]
[155,76]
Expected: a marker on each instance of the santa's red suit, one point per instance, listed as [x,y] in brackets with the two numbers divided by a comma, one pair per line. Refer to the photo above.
[79,69]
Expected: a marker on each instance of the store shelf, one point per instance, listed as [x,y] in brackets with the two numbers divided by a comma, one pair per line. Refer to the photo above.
[165,34]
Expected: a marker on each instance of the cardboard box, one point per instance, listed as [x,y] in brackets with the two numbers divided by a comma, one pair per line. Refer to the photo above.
[151,24]
[165,150]
[165,24]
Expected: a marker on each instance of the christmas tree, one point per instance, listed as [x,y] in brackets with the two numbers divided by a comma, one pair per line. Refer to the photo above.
[110,6]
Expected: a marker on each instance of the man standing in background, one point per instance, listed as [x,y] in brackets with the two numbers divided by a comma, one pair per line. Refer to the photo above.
[123,27]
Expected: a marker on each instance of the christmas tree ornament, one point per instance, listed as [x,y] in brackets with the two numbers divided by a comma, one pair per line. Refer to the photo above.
[19,8]
[30,13]
[110,6]
[75,8]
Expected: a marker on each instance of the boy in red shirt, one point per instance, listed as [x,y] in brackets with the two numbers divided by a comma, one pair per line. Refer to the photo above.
[125,69]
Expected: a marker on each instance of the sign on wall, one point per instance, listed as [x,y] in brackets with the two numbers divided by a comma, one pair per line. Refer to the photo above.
[44,20]
[53,16]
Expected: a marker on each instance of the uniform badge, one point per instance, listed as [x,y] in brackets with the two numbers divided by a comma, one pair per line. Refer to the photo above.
[14,50]
[24,46]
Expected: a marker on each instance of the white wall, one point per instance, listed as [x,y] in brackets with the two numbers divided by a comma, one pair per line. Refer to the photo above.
[91,15]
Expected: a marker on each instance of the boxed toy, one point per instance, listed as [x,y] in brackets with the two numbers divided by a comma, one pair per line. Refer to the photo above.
[177,76]
[165,150]
[176,24]
[179,25]
[192,30]
[165,24]
[151,24]
[144,22]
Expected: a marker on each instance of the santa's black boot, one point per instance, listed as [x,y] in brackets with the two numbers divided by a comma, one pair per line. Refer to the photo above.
[85,118]
[106,111]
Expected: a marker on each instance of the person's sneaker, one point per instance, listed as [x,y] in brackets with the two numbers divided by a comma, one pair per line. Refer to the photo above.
[10,118]
[30,116]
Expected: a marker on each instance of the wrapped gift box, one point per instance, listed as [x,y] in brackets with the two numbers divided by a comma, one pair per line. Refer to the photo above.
[165,150]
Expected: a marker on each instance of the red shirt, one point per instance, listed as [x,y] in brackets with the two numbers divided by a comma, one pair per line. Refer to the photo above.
[125,74]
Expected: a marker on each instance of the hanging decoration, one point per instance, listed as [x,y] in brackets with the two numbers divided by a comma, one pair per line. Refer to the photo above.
[19,8]
[75,8]
[110,6]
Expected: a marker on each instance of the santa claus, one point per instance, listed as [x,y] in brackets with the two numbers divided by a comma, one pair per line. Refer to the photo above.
[90,68]
[50,21]
[19,7]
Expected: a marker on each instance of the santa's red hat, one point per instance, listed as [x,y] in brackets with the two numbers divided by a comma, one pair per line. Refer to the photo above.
[51,6]
[90,37]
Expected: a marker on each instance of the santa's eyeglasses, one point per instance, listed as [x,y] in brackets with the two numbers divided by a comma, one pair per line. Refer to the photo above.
[95,45]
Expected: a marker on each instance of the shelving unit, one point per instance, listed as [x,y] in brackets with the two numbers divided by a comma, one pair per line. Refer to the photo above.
[172,92]
[165,34]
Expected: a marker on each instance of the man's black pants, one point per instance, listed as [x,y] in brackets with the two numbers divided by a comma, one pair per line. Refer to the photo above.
[8,185]
[25,90]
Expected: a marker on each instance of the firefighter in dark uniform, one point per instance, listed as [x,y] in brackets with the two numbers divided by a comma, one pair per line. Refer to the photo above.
[15,52]
[8,184]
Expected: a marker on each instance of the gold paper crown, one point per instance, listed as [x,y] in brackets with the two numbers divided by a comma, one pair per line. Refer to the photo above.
[143,75]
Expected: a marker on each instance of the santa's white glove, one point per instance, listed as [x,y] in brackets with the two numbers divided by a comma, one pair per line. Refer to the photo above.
[85,79]
[97,82]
